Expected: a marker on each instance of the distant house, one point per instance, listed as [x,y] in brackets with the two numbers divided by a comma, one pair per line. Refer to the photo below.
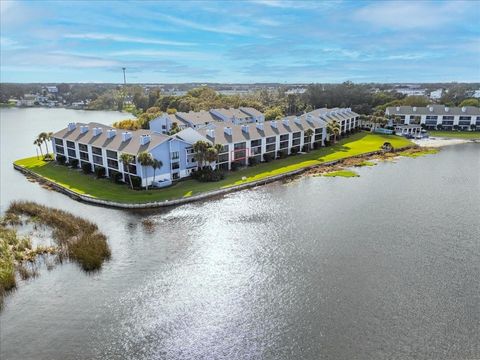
[28,100]
[437,94]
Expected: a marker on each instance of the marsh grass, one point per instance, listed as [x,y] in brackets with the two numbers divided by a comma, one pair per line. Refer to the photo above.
[75,238]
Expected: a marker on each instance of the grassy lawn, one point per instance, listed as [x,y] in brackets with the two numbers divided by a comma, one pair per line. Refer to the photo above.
[341,173]
[455,134]
[75,180]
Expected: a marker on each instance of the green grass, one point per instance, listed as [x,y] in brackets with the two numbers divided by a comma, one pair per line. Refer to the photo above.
[415,154]
[366,163]
[76,181]
[341,173]
[455,134]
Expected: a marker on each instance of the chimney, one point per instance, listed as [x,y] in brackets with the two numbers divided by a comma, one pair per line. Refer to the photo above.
[260,126]
[245,128]
[464,109]
[127,135]
[211,133]
[273,123]
[83,129]
[144,139]
[71,126]
[297,120]
[97,131]
[111,133]
[414,109]
[286,122]
[228,130]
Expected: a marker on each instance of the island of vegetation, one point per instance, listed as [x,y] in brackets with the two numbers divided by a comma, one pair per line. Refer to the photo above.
[74,238]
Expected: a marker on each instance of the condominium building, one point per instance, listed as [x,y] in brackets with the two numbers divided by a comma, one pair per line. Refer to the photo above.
[101,146]
[437,116]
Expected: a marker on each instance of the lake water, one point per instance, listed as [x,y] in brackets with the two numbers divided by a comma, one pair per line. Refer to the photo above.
[384,266]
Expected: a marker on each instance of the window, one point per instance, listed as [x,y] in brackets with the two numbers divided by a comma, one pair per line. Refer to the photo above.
[70,144]
[175,176]
[175,155]
[59,149]
[465,118]
[96,150]
[256,150]
[224,149]
[256,143]
[239,146]
[271,140]
[448,118]
[58,142]
[270,147]
[175,166]
[318,130]
[112,154]
[284,137]
[83,156]
[83,147]
[297,135]
[296,142]
[97,159]
[72,153]
[132,169]
[113,164]
[223,158]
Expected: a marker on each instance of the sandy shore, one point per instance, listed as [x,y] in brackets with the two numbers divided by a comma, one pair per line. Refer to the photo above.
[439,142]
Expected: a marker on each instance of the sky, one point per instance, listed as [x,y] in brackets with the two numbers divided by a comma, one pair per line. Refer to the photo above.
[240,41]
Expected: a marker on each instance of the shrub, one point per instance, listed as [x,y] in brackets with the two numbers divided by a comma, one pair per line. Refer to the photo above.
[87,168]
[208,175]
[305,148]
[252,161]
[267,157]
[294,151]
[61,159]
[317,145]
[282,154]
[235,166]
[115,176]
[99,171]
[90,251]
[73,163]
[136,182]
[48,157]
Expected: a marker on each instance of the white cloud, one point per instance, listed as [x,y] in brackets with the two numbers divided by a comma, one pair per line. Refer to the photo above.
[231,29]
[121,38]
[411,14]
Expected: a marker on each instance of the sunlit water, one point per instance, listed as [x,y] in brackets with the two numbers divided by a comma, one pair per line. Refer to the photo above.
[384,266]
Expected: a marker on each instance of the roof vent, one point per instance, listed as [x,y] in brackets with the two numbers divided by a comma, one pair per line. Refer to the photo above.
[260,126]
[245,128]
[111,133]
[71,126]
[83,129]
[430,108]
[464,109]
[414,108]
[297,120]
[127,135]
[397,108]
[286,122]
[144,139]
[273,123]
[447,109]
[211,133]
[97,131]
[228,130]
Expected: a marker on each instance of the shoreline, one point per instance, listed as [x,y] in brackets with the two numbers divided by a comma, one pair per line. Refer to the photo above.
[47,183]
[437,141]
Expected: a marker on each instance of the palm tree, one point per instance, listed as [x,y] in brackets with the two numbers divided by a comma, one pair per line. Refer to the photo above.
[48,138]
[156,164]
[145,159]
[43,136]
[126,160]
[38,143]
[211,155]
[333,128]
[309,133]
[200,148]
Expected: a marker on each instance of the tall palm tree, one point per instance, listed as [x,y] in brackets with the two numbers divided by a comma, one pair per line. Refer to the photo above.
[309,133]
[43,136]
[38,143]
[126,160]
[145,159]
[48,139]
[200,148]
[333,128]
[211,155]
[156,164]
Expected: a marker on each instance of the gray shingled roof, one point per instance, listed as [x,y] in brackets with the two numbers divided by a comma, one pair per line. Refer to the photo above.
[197,117]
[238,135]
[131,146]
[436,110]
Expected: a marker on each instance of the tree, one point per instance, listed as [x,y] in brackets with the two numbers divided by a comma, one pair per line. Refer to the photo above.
[309,133]
[48,138]
[200,148]
[470,102]
[145,159]
[156,164]
[38,142]
[333,128]
[273,113]
[175,129]
[43,137]
[126,160]
[211,155]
